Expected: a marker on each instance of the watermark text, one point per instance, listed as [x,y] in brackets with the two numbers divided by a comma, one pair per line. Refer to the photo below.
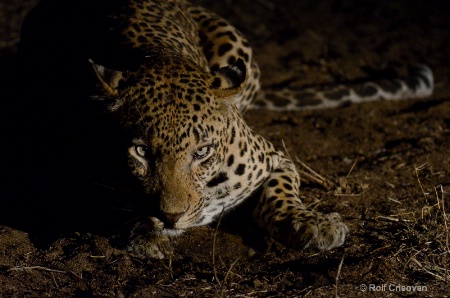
[392,288]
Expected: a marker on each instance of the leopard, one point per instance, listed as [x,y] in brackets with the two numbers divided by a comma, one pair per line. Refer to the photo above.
[189,146]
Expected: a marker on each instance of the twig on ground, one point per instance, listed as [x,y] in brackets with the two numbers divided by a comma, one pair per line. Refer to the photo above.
[416,170]
[214,249]
[352,167]
[314,176]
[24,268]
[310,173]
[226,276]
[444,215]
[336,285]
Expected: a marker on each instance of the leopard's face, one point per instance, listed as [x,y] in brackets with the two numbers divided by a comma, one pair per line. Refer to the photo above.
[177,156]
[179,119]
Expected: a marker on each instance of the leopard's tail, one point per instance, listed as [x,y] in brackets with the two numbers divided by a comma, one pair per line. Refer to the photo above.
[418,84]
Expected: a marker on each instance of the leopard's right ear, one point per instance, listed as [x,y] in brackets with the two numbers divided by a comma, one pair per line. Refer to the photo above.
[108,78]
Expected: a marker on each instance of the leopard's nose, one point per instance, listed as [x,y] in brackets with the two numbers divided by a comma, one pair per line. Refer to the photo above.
[172,218]
[172,213]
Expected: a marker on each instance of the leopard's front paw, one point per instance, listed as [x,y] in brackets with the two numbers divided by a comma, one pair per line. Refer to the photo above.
[311,229]
[150,241]
[152,246]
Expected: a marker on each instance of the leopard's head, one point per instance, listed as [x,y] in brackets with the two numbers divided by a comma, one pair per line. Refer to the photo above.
[179,119]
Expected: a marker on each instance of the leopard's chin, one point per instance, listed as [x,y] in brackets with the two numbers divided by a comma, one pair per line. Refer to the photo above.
[172,232]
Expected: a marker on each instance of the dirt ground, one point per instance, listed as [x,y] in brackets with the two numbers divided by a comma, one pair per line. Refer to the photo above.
[388,164]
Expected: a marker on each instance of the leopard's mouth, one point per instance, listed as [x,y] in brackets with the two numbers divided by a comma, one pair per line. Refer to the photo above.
[176,226]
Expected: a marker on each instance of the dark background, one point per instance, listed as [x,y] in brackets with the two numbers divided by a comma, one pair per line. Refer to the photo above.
[389,162]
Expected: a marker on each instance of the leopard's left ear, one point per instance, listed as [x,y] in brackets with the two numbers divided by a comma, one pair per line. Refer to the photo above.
[228,81]
[109,78]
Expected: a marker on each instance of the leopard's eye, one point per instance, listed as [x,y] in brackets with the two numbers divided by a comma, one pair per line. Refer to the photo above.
[141,150]
[202,152]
